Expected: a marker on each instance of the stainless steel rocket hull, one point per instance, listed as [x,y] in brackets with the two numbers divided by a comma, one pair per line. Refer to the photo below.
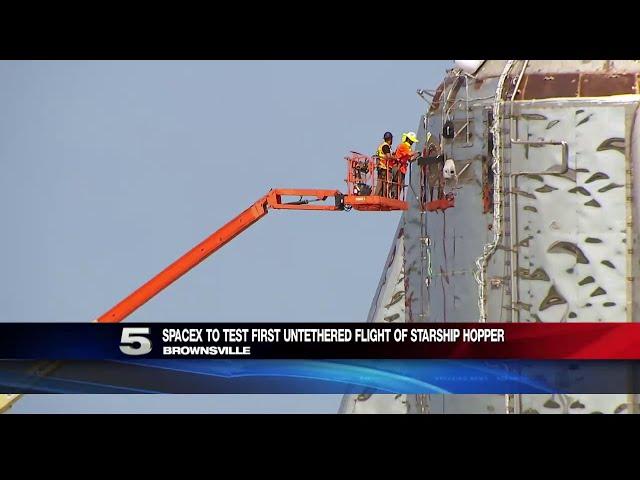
[554,148]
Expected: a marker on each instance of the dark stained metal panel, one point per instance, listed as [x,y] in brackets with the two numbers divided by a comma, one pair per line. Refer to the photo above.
[594,85]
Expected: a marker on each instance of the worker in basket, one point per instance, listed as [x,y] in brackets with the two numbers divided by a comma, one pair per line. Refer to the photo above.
[403,155]
[384,164]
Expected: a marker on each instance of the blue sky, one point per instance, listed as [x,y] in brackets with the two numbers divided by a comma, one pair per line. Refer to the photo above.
[112,169]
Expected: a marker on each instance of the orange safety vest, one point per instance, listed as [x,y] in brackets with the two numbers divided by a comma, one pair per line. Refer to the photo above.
[403,154]
[382,159]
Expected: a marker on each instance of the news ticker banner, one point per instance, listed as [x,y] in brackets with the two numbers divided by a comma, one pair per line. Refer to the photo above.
[320,358]
[182,376]
[522,341]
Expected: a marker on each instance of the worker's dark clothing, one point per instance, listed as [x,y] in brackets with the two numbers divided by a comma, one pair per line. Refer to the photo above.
[382,187]
[397,182]
[384,172]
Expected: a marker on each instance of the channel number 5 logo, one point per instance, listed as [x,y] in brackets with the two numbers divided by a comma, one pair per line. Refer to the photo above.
[133,342]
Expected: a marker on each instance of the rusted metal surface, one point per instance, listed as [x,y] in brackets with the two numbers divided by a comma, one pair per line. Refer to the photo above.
[435,103]
[437,97]
[541,86]
[594,85]
[493,68]
[574,85]
[450,87]
[602,81]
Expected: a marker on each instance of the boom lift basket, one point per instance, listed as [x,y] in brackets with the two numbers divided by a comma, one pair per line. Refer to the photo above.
[362,185]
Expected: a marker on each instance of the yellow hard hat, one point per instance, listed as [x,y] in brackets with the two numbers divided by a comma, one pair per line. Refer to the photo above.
[411,136]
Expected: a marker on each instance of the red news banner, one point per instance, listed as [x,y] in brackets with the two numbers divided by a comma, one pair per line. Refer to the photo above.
[535,341]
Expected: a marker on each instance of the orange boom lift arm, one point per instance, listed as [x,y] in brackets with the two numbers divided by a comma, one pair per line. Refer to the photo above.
[272,200]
